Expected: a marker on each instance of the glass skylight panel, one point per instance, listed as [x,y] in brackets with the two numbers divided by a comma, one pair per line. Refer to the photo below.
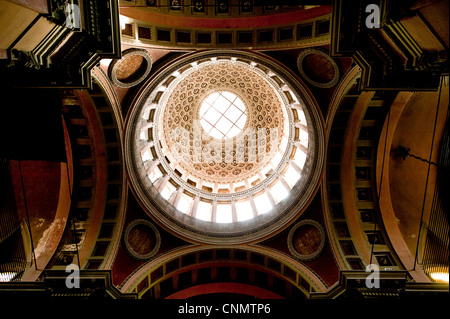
[211,98]
[241,122]
[233,113]
[229,96]
[205,107]
[224,125]
[212,116]
[234,131]
[239,104]
[220,118]
[216,133]
[206,126]
[221,104]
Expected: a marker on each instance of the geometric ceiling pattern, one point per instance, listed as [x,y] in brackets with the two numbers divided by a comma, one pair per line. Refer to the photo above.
[227,150]
[238,184]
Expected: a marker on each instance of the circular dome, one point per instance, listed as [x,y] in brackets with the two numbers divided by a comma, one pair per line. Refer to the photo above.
[224,146]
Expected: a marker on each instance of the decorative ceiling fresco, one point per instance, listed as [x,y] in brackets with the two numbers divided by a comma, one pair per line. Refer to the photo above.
[224,150]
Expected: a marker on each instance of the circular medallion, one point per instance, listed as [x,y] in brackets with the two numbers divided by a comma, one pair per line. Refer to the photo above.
[306,240]
[224,146]
[318,68]
[142,239]
[131,69]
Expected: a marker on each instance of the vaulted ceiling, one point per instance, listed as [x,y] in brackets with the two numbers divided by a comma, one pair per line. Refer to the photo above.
[367,108]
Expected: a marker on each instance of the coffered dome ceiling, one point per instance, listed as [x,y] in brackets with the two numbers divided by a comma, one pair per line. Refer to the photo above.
[224,138]
[182,155]
[215,160]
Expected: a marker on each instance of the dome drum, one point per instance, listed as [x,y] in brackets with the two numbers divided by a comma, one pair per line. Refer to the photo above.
[224,146]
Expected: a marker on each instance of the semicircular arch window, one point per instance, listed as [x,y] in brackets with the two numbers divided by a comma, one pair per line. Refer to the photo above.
[224,146]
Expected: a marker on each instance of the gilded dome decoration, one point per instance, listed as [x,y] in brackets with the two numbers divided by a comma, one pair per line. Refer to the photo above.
[229,141]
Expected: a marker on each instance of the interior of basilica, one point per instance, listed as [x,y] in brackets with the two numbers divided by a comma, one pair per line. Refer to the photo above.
[224,149]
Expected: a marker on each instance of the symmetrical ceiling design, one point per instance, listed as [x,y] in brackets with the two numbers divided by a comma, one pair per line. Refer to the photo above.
[225,182]
[185,101]
[219,149]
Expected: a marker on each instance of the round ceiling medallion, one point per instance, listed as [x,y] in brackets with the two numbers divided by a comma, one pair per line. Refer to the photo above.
[224,146]
[131,69]
[306,240]
[142,239]
[318,68]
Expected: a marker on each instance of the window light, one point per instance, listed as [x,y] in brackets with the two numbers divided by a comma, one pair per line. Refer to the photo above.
[244,211]
[7,276]
[184,203]
[223,115]
[279,192]
[167,191]
[291,176]
[155,174]
[224,214]
[262,203]
[300,157]
[204,211]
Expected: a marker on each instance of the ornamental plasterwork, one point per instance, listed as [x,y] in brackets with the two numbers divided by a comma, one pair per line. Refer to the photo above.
[226,186]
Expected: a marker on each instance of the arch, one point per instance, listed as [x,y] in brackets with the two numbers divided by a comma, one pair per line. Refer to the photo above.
[193,258]
[229,287]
